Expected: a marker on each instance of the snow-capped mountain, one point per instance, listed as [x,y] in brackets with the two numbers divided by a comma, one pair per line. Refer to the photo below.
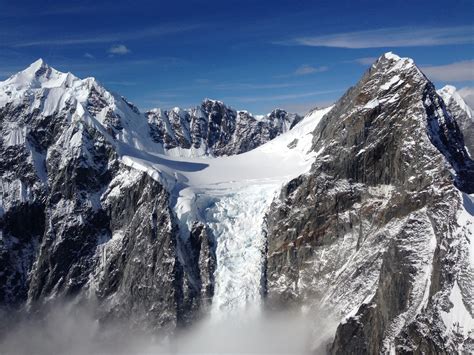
[216,129]
[462,112]
[360,214]
[43,93]
[209,129]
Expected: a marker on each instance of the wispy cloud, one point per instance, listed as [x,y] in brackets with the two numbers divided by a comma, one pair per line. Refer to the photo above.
[458,71]
[121,83]
[306,69]
[389,37]
[119,49]
[365,60]
[283,97]
[253,86]
[88,55]
[111,37]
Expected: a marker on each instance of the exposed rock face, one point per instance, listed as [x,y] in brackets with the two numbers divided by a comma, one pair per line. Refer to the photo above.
[201,263]
[216,129]
[136,273]
[373,232]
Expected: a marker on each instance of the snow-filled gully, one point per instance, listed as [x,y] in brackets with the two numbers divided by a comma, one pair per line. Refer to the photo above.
[231,195]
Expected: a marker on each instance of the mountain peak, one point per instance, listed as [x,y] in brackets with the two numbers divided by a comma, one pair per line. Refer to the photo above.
[36,69]
[212,101]
[392,66]
[391,56]
[395,62]
[39,75]
[37,64]
[450,95]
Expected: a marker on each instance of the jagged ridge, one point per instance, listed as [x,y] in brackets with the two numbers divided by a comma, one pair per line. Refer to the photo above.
[216,129]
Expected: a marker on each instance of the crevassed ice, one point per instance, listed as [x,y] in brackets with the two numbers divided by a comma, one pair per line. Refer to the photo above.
[237,222]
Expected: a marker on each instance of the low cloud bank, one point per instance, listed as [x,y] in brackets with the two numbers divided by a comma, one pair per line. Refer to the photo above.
[73,330]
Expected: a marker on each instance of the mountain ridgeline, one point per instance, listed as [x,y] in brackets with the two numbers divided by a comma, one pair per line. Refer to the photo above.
[144,218]
[215,129]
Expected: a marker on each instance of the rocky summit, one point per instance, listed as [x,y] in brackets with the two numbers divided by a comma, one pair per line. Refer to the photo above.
[359,216]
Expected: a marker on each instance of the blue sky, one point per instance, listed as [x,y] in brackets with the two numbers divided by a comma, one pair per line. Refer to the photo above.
[253,55]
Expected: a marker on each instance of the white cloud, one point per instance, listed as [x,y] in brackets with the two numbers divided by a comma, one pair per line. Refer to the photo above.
[308,69]
[467,93]
[304,107]
[458,71]
[88,55]
[365,60]
[389,37]
[283,96]
[119,49]
[122,83]
[111,37]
